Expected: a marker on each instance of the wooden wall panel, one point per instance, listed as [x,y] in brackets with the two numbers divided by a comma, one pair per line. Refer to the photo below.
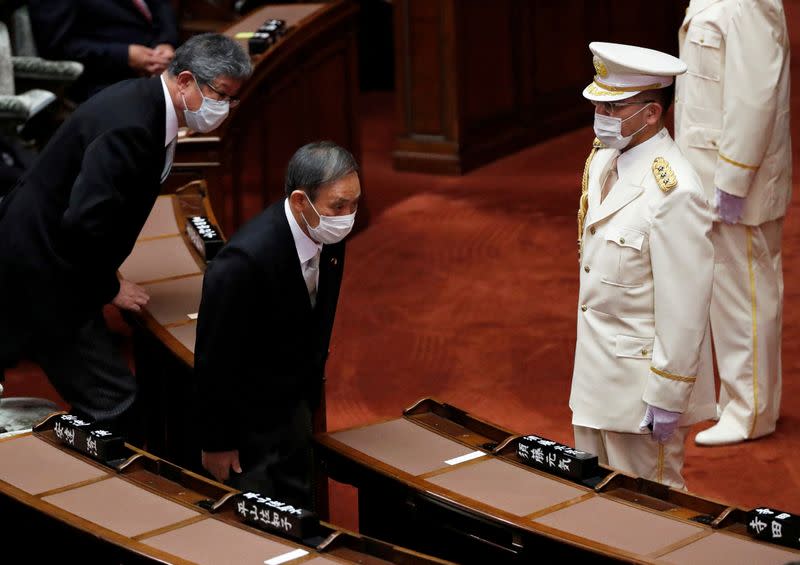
[478,80]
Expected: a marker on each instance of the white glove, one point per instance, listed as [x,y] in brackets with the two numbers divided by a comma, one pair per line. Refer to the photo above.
[661,422]
[729,207]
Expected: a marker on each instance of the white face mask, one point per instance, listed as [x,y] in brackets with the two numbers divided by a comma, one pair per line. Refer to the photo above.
[208,116]
[608,130]
[331,229]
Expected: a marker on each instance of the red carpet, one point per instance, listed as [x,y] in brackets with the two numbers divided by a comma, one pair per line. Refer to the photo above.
[464,288]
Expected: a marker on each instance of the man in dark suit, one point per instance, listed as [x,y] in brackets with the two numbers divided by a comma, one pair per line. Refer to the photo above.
[114,40]
[265,320]
[75,215]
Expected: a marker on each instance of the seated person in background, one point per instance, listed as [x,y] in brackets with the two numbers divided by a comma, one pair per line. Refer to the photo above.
[265,321]
[114,40]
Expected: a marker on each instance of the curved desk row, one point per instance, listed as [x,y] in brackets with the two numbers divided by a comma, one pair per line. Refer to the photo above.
[166,264]
[146,510]
[440,474]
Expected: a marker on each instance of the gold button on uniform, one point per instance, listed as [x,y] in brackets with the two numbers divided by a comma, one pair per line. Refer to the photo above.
[584,307]
[622,240]
[592,230]
[644,352]
[586,268]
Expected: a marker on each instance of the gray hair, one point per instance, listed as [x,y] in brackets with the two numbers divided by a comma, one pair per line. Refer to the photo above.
[317,164]
[211,55]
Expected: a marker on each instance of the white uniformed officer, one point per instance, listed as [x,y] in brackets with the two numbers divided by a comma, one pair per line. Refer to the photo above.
[732,123]
[643,353]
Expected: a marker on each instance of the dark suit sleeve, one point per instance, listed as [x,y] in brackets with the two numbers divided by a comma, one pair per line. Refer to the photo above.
[54,24]
[164,22]
[105,187]
[223,347]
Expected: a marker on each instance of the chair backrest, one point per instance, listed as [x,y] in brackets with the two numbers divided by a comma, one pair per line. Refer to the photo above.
[6,66]
[22,39]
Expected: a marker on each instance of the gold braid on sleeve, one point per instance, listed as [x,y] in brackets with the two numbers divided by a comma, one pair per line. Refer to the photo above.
[584,202]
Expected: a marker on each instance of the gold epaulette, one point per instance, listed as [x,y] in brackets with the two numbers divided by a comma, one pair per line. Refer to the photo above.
[665,176]
[584,199]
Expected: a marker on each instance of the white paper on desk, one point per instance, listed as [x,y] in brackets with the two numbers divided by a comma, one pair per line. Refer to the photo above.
[291,556]
[192,316]
[467,457]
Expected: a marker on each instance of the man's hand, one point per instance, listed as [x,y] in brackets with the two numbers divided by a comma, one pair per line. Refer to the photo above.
[220,463]
[729,207]
[165,50]
[147,61]
[130,296]
[661,422]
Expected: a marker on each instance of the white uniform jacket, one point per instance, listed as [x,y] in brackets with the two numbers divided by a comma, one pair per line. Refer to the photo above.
[646,277]
[732,105]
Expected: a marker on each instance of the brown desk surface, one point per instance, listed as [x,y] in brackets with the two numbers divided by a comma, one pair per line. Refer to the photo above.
[185,334]
[212,542]
[27,463]
[158,259]
[620,525]
[403,445]
[729,550]
[496,486]
[172,301]
[121,507]
[507,487]
[161,220]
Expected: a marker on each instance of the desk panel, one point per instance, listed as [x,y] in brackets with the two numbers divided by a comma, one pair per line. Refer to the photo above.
[27,463]
[730,550]
[157,259]
[161,220]
[121,507]
[620,526]
[507,487]
[210,542]
[185,334]
[173,300]
[403,445]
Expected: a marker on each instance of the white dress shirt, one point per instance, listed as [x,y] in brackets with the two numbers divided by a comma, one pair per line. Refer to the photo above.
[171,129]
[308,252]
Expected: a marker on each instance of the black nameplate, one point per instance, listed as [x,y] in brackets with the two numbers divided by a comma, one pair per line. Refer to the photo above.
[204,236]
[556,458]
[266,36]
[275,516]
[88,438]
[774,526]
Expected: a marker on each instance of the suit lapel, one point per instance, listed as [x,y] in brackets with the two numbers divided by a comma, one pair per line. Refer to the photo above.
[604,163]
[297,290]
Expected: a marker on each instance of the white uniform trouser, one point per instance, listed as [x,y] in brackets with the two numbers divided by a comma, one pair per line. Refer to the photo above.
[637,454]
[746,316]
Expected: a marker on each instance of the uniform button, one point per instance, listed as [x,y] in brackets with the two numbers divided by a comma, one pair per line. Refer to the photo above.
[702,40]
[586,268]
[592,230]
[584,307]
[644,352]
[622,240]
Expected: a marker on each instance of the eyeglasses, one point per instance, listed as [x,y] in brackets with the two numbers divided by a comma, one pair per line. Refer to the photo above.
[613,107]
[232,101]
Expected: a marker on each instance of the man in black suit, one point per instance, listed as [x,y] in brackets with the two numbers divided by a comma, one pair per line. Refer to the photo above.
[74,217]
[265,320]
[114,40]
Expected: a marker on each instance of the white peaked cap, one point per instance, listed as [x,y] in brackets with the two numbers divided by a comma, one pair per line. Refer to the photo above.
[623,71]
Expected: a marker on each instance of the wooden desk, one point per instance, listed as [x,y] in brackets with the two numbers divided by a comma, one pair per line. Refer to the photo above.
[303,89]
[145,510]
[447,483]
[166,264]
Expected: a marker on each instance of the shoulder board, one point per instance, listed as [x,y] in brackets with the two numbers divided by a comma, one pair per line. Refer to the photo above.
[665,176]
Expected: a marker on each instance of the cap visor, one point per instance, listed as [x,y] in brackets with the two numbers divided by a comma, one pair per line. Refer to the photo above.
[599,94]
